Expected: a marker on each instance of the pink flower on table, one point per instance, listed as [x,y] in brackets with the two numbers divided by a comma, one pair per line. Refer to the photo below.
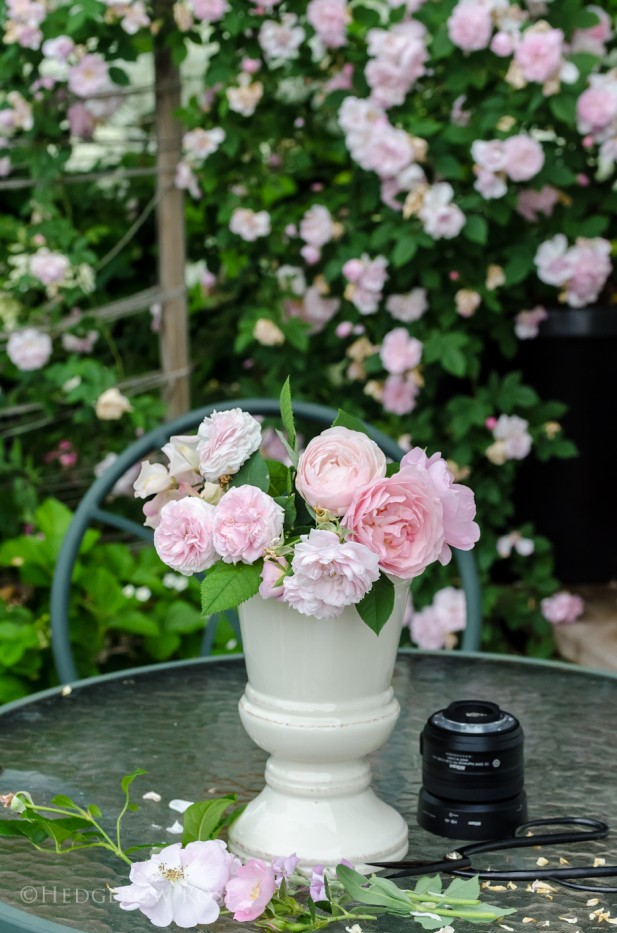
[329,19]
[271,573]
[209,11]
[226,440]
[89,76]
[29,349]
[284,866]
[531,203]
[524,157]
[181,885]
[527,323]
[183,538]
[250,225]
[539,52]
[409,307]
[440,217]
[317,888]
[399,352]
[398,394]
[329,574]
[401,519]
[591,267]
[457,501]
[334,463]
[48,267]
[470,25]
[562,607]
[317,226]
[247,521]
[250,890]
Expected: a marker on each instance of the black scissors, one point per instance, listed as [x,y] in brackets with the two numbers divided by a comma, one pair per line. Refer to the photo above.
[459,862]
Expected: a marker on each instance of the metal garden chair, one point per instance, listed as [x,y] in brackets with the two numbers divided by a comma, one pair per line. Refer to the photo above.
[92,510]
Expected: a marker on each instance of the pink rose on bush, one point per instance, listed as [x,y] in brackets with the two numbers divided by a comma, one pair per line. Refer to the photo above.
[408,307]
[334,464]
[596,108]
[49,268]
[539,53]
[153,507]
[329,574]
[400,352]
[470,25]
[531,203]
[183,538]
[226,440]
[89,76]
[209,11]
[459,508]
[246,522]
[524,157]
[398,394]
[591,266]
[29,349]
[250,225]
[400,518]
[329,19]
[250,889]
[441,219]
[317,227]
[562,607]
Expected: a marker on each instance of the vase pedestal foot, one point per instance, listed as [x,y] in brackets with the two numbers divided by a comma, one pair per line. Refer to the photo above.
[321,815]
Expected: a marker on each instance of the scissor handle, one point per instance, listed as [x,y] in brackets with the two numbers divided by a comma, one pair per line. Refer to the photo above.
[522,838]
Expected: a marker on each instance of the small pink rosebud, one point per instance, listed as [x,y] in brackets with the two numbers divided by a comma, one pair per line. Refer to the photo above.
[491,423]
[353,269]
[583,180]
[250,65]
[453,275]
[344,329]
[588,142]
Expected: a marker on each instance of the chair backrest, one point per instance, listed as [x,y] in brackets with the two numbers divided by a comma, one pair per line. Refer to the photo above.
[91,510]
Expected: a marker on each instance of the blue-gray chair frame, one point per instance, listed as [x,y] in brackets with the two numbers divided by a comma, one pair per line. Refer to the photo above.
[91,510]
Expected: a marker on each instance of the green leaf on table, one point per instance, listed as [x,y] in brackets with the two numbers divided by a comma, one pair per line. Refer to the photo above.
[350,422]
[227,585]
[376,607]
[61,800]
[374,891]
[467,889]
[204,820]
[27,828]
[287,413]
[253,472]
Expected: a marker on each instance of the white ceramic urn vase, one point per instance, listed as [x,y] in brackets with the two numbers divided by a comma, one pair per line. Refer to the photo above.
[319,699]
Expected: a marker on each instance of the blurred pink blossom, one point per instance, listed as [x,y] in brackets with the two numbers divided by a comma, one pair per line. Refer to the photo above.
[562,607]
[470,25]
[29,349]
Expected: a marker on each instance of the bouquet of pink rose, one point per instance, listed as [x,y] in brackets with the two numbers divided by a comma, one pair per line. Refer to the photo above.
[335,528]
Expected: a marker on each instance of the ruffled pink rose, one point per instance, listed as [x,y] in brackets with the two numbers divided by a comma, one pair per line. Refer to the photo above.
[562,607]
[334,464]
[531,203]
[184,536]
[29,349]
[329,19]
[329,574]
[226,440]
[399,394]
[596,108]
[459,507]
[152,507]
[524,157]
[400,518]
[470,25]
[538,54]
[400,352]
[246,522]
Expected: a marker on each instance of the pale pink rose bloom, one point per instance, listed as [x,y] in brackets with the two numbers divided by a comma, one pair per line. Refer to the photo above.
[226,440]
[329,574]
[245,98]
[467,302]
[554,261]
[209,11]
[531,203]
[59,48]
[502,44]
[248,224]
[341,80]
[281,41]
[451,608]
[112,404]
[153,478]
[490,186]
[135,18]
[399,56]
[317,227]
[374,274]
[186,180]
[591,267]
[513,432]
[489,154]
[310,254]
[81,121]
[515,541]
[334,464]
[198,144]
[527,323]
[400,352]
[181,884]
[441,219]
[5,166]
[74,344]
[426,629]
[596,108]
[539,53]
[401,519]
[89,76]
[398,395]
[181,451]
[409,307]
[29,349]
[271,573]
[49,268]
[246,522]
[329,19]
[524,157]
[458,503]
[184,537]
[594,39]
[152,507]
[385,150]
[562,607]
[314,308]
[470,25]
[250,889]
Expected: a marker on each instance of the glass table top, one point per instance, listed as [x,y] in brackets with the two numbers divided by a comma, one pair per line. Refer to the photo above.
[180,723]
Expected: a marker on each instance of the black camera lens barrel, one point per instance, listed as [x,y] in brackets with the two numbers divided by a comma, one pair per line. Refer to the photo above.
[472,771]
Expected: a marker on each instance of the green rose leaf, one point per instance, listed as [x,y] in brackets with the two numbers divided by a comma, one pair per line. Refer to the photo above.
[350,422]
[287,413]
[227,585]
[376,607]
[253,472]
[203,820]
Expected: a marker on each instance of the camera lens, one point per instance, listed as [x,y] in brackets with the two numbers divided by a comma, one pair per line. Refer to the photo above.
[472,772]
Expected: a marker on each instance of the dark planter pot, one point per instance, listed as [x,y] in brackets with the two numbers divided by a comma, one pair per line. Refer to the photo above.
[574,502]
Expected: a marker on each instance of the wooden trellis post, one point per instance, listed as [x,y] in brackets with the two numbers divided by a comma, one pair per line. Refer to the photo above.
[174,337]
